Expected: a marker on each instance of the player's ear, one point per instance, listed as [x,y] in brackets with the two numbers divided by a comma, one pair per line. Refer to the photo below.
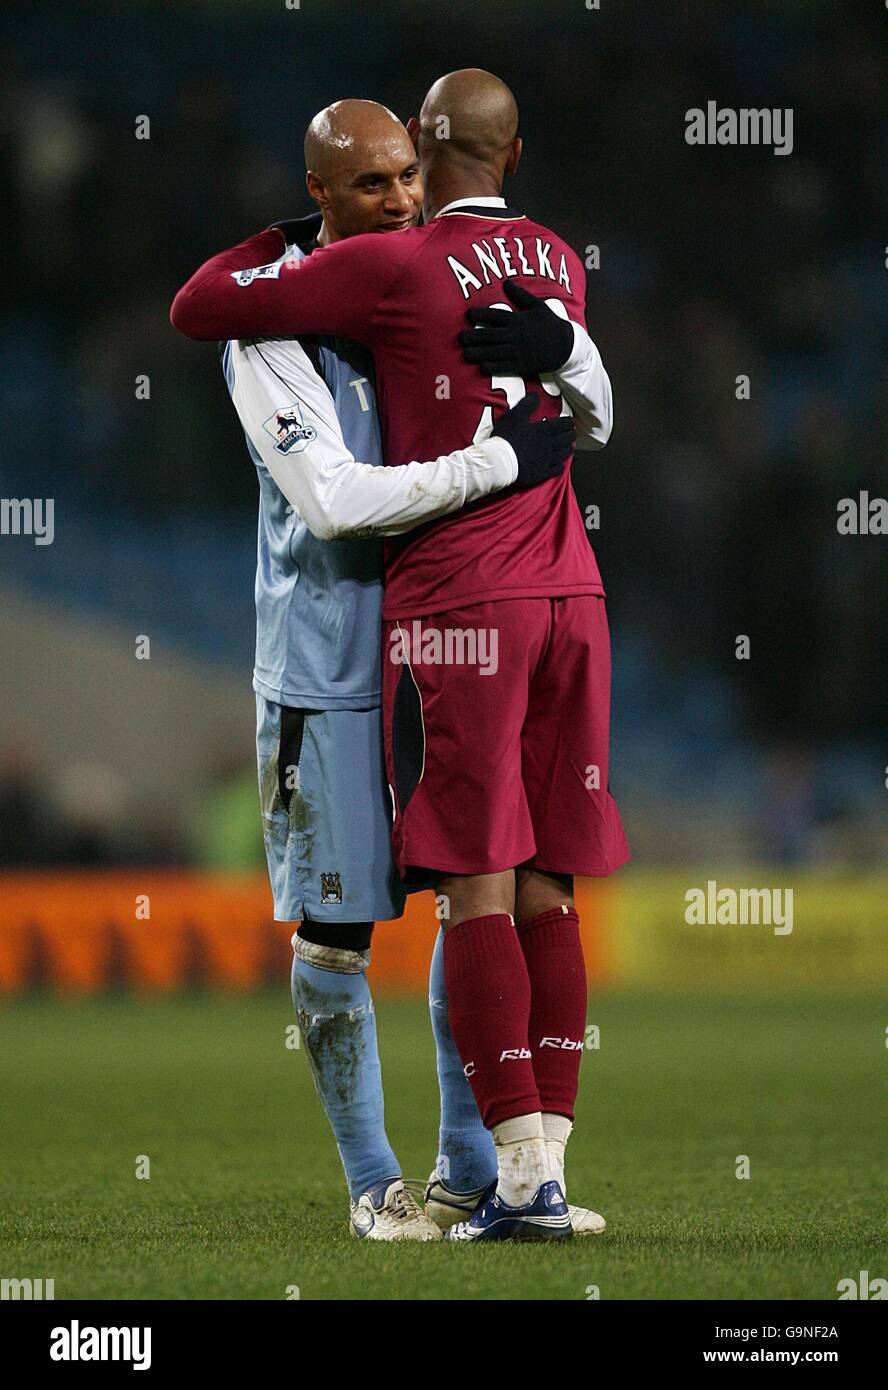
[317,190]
[413,132]
[514,158]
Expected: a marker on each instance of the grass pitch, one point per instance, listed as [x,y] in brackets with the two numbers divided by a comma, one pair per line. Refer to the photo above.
[246,1198]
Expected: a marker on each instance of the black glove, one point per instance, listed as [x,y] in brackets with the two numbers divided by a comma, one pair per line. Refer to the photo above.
[527,343]
[542,447]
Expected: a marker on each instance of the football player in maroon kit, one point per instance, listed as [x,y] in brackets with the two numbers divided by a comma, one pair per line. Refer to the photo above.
[497,659]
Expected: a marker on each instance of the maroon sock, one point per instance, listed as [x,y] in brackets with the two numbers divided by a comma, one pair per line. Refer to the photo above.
[554,956]
[488,1005]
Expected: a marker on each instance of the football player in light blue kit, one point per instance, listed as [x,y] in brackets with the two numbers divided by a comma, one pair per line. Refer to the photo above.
[309,414]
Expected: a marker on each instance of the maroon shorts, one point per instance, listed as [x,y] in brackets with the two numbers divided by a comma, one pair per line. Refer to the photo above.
[496,722]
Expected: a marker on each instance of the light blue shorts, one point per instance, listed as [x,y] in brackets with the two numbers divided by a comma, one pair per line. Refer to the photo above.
[326,814]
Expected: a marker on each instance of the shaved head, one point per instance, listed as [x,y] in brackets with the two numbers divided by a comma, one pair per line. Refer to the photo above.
[362,170]
[481,114]
[339,135]
[467,137]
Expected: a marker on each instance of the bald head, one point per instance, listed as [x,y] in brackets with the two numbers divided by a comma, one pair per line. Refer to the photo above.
[362,170]
[467,137]
[340,135]
[473,112]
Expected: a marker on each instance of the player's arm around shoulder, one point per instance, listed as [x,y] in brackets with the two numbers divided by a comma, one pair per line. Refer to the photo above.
[289,416]
[250,292]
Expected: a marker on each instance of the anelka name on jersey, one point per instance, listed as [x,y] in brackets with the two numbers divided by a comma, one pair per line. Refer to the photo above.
[506,258]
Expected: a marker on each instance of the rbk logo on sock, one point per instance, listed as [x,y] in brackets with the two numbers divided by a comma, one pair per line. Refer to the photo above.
[565,1044]
[515,1054]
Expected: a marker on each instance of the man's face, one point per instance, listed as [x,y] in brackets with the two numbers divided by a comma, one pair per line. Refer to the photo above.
[374,186]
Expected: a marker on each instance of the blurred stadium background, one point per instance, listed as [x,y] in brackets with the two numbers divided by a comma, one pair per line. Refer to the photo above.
[130,849]
[123,778]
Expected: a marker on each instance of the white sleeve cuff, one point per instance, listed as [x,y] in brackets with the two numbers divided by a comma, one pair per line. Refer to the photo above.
[489,466]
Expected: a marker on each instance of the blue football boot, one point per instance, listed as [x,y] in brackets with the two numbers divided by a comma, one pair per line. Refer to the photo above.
[545,1218]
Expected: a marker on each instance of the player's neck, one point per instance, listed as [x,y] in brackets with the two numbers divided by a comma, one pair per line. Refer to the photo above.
[445,188]
[327,235]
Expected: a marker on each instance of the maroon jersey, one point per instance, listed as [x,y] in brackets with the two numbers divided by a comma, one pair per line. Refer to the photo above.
[405,295]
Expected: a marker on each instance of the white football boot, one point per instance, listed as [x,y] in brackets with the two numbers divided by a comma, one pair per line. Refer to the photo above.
[390,1212]
[445,1208]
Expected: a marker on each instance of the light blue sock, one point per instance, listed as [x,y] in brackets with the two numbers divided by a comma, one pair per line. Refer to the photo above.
[466,1153]
[338,1030]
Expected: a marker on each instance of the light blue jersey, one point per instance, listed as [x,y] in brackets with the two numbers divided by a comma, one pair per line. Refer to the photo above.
[318,602]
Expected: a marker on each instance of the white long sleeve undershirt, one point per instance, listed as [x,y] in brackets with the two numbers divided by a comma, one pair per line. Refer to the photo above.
[337,495]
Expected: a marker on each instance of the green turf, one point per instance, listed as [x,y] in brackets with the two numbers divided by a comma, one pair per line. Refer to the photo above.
[246,1196]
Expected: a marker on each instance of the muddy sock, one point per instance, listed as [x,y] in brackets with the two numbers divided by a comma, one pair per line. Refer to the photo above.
[337,1025]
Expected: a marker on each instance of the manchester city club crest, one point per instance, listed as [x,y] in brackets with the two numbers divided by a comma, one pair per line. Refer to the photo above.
[291,436]
[331,888]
